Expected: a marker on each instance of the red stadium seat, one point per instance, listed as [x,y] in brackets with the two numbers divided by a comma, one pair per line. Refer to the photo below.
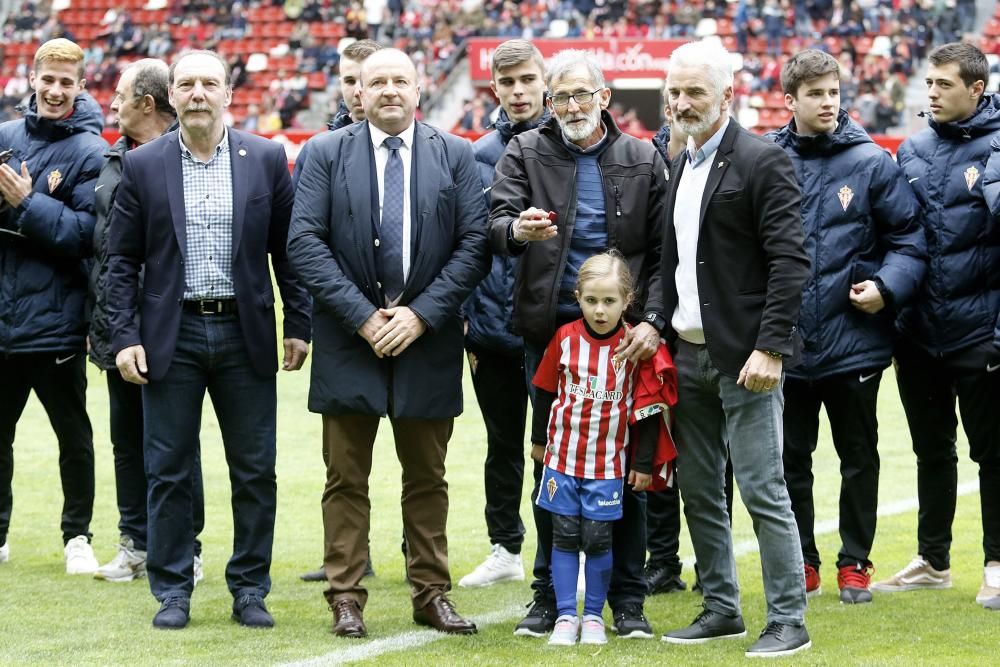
[757,45]
[317,81]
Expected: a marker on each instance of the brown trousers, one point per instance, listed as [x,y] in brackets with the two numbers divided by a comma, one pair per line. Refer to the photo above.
[421,445]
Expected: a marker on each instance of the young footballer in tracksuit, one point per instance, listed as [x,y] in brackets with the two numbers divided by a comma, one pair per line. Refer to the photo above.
[496,353]
[949,343]
[868,255]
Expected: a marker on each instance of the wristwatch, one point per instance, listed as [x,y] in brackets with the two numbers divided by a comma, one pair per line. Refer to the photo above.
[773,355]
[656,320]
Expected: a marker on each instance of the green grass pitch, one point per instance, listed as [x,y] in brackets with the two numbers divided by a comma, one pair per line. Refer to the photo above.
[49,618]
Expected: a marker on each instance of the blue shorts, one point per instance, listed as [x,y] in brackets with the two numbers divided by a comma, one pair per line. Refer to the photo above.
[596,499]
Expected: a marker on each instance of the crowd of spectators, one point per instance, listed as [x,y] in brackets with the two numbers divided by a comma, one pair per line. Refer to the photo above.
[431,31]
[879,41]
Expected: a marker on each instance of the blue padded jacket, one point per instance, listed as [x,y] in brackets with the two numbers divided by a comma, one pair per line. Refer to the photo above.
[948,165]
[862,222]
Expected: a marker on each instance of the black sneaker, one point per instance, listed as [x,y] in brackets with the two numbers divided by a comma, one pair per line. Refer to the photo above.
[780,639]
[539,621]
[173,614]
[250,611]
[630,623]
[708,625]
[663,579]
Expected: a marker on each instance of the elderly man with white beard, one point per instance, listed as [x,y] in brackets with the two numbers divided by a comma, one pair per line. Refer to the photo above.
[574,187]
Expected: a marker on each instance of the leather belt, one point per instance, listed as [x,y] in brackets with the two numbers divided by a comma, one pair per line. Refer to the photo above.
[210,306]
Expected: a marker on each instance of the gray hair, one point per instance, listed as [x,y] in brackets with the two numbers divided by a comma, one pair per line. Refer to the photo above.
[227,71]
[710,56]
[570,59]
[150,79]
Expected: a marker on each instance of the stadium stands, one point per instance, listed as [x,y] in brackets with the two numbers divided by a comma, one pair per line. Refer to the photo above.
[878,44]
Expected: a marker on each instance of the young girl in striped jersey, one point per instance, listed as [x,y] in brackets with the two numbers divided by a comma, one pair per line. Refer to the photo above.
[584,435]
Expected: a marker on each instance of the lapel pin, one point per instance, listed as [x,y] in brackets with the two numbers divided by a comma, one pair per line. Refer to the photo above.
[721,165]
[243,152]
[666,174]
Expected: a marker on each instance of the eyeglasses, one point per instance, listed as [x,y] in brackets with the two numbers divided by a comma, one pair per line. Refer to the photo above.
[562,99]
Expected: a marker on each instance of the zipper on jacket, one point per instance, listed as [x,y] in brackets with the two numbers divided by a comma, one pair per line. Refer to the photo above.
[570,218]
[618,201]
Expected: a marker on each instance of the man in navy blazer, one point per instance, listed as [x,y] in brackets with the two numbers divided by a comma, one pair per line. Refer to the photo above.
[199,210]
[388,234]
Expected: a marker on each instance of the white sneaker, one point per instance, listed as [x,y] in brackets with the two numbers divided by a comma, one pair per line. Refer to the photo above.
[500,565]
[129,564]
[989,594]
[918,575]
[4,552]
[199,570]
[592,630]
[565,631]
[80,556]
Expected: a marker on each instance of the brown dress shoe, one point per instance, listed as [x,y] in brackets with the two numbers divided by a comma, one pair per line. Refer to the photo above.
[347,620]
[440,614]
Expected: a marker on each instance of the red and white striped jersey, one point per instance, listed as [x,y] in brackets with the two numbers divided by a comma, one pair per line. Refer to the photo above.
[589,419]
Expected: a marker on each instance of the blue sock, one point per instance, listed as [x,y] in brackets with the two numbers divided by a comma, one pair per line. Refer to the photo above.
[565,570]
[597,572]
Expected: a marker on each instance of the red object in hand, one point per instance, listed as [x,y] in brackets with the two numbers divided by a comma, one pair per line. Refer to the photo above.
[552,216]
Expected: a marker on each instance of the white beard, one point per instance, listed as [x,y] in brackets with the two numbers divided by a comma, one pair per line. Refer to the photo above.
[581,132]
[697,128]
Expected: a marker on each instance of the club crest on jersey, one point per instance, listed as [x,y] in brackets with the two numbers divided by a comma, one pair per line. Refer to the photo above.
[971,176]
[846,195]
[617,363]
[551,487]
[55,178]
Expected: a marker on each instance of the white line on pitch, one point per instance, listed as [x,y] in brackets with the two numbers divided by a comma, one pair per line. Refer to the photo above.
[413,639]
[403,641]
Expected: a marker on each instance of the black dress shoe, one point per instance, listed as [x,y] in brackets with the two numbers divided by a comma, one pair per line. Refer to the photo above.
[707,626]
[347,619]
[249,611]
[174,614]
[440,614]
[662,579]
[779,639]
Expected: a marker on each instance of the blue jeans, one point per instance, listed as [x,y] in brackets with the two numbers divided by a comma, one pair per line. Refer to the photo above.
[713,411]
[211,355]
